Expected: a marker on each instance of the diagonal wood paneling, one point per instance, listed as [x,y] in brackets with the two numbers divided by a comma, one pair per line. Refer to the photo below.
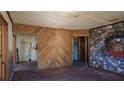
[55,48]
[63,46]
[26,29]
[54,45]
[46,48]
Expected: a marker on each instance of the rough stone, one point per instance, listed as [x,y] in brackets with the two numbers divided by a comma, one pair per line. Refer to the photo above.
[98,57]
[119,70]
[109,26]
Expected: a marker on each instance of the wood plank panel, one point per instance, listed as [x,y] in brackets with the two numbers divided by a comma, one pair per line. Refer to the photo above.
[5,69]
[46,48]
[14,50]
[4,32]
[80,33]
[55,48]
[63,44]
[54,45]
[26,29]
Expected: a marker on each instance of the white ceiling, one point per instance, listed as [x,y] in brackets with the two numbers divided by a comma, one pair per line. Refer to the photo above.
[67,19]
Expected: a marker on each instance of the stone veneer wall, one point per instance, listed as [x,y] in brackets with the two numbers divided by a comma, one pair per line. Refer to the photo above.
[98,57]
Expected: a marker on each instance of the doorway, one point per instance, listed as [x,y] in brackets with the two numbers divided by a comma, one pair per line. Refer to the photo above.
[80,50]
[25,52]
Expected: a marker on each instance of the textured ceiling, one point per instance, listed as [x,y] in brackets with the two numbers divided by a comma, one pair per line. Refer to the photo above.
[67,20]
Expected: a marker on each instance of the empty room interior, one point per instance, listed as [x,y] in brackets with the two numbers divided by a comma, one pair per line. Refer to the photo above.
[61,45]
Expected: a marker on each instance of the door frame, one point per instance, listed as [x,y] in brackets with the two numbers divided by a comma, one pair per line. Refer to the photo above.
[4,44]
[86,50]
[73,50]
[14,50]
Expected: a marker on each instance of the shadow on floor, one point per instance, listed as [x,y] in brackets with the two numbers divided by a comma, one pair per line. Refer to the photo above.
[71,73]
[25,66]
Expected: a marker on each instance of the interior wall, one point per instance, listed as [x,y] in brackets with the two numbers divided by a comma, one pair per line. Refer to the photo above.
[24,44]
[9,45]
[98,57]
[4,66]
[26,29]
[80,33]
[55,47]
[10,33]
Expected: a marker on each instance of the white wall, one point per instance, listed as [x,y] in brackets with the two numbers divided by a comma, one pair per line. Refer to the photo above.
[30,41]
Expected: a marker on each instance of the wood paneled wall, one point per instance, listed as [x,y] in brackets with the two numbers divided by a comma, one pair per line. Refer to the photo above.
[63,44]
[46,48]
[55,48]
[54,45]
[80,33]
[5,69]
[26,29]
[4,33]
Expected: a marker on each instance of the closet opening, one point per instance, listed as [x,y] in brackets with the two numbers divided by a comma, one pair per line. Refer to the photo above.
[80,50]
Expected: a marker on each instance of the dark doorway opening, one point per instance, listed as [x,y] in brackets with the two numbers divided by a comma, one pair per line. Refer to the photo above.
[80,50]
